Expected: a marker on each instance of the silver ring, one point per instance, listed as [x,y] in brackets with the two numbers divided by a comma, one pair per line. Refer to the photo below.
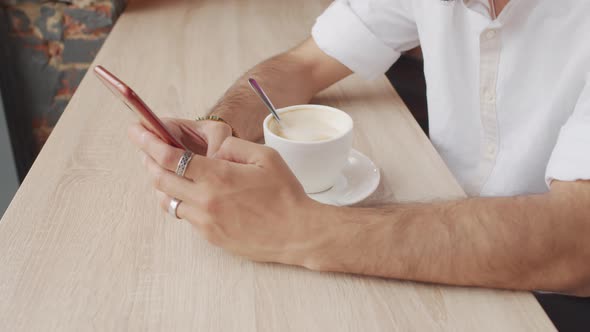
[173,207]
[183,163]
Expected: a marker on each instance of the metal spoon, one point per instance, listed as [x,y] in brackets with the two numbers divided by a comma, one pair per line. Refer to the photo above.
[256,87]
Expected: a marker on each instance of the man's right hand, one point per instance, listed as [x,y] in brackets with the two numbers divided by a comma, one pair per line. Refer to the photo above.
[200,137]
[308,70]
[290,78]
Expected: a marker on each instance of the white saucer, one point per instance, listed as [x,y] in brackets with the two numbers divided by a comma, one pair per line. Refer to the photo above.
[359,179]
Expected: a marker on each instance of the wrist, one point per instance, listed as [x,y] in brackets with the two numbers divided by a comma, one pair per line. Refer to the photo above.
[351,240]
[219,120]
[216,125]
[326,238]
[249,126]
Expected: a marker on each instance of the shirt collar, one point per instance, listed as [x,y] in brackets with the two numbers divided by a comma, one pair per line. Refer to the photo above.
[480,6]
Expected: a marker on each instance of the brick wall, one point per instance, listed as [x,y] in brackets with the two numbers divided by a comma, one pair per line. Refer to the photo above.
[46,47]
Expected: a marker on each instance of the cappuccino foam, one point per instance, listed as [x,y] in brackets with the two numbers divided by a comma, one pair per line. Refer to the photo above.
[306,125]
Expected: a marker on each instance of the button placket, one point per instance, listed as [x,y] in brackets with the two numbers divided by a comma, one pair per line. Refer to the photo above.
[490,48]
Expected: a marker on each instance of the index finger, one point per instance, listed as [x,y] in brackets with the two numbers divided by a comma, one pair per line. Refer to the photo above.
[169,157]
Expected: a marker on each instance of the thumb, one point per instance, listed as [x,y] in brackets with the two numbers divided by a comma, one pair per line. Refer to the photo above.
[214,142]
[244,152]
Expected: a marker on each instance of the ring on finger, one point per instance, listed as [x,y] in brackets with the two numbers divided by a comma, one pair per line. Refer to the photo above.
[173,207]
[183,163]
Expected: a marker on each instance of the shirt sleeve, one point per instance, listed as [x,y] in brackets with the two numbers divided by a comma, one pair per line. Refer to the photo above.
[367,36]
[570,160]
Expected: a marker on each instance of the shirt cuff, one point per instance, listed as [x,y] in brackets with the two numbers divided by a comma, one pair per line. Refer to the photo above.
[341,34]
[570,160]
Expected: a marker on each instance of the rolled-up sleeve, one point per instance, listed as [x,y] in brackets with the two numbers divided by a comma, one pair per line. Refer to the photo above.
[367,36]
[570,160]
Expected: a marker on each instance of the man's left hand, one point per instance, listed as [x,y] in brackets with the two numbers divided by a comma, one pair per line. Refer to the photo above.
[244,199]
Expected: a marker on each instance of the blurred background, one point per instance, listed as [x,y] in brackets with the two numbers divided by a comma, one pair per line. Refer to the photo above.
[46,47]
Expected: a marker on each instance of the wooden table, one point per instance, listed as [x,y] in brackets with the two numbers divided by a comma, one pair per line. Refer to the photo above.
[85,247]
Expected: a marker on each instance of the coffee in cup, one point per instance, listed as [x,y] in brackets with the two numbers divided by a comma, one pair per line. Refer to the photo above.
[306,125]
[314,141]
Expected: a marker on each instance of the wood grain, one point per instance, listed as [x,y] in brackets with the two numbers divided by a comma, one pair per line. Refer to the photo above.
[85,247]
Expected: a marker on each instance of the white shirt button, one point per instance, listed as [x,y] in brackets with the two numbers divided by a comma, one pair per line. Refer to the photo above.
[491,150]
[489,96]
[491,34]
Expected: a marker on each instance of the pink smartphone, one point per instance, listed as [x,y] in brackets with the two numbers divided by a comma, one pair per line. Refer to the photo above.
[135,104]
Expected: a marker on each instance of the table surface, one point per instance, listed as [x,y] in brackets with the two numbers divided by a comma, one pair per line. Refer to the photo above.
[84,245]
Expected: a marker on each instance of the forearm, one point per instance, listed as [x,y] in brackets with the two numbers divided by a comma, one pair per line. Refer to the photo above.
[290,78]
[282,78]
[528,242]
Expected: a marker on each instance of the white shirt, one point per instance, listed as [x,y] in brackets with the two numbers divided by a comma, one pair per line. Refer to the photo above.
[508,99]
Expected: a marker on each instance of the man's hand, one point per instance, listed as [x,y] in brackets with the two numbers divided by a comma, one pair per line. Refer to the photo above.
[244,199]
[309,70]
[200,137]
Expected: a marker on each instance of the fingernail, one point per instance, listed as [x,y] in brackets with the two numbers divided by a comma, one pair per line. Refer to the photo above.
[144,136]
[143,157]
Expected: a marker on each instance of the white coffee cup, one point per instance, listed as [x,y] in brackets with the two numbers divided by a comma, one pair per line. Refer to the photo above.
[316,164]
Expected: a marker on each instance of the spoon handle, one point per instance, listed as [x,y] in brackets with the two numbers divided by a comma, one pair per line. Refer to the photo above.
[256,87]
